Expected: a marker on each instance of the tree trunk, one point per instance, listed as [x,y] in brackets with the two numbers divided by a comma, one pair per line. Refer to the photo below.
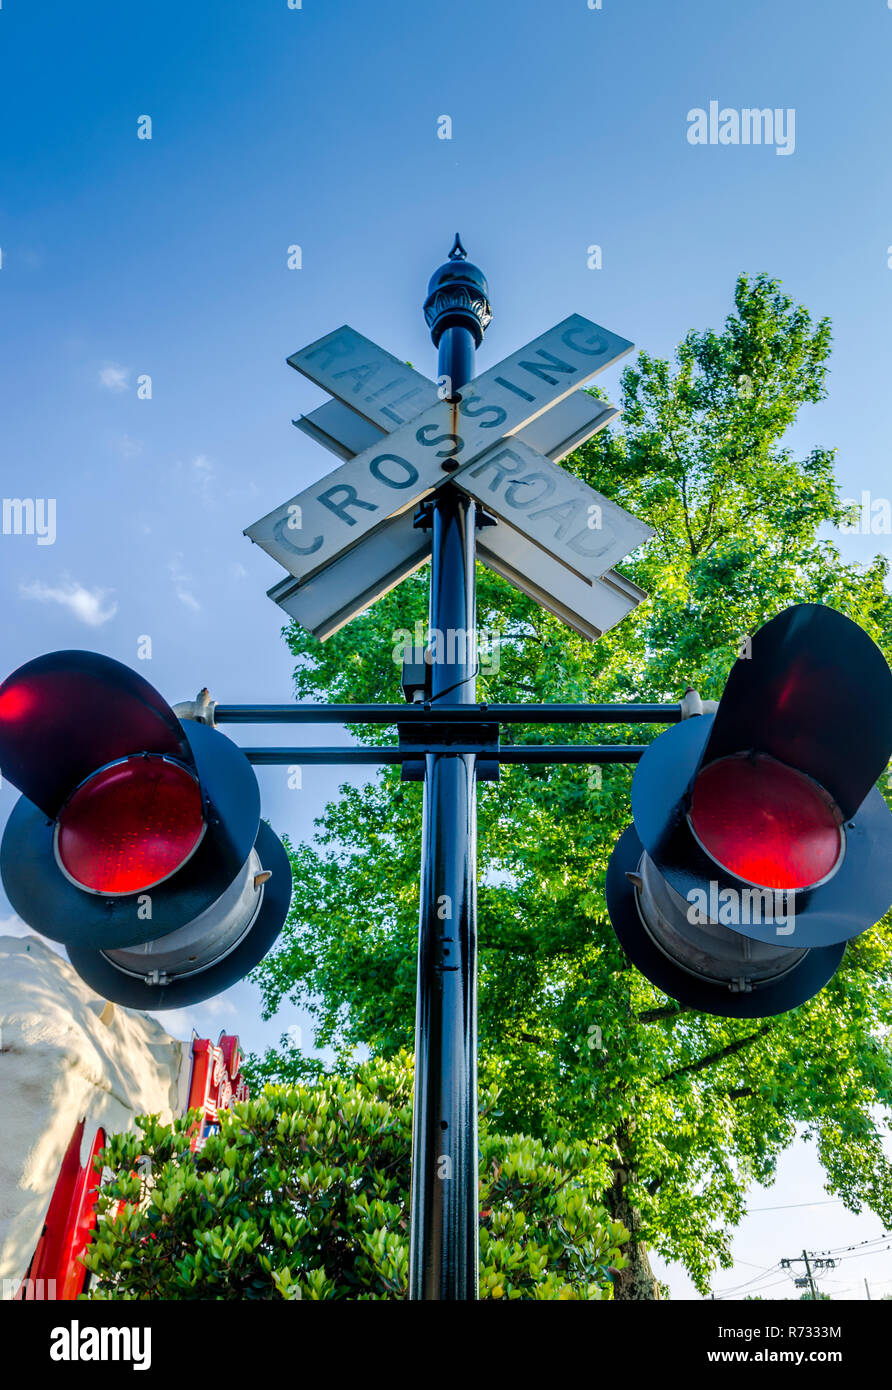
[637,1280]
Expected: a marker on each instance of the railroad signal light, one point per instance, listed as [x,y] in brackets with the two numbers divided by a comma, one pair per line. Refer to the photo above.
[137,841]
[760,843]
[130,826]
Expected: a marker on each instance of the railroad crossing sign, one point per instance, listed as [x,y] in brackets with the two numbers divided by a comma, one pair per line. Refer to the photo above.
[556,433]
[351,584]
[350,537]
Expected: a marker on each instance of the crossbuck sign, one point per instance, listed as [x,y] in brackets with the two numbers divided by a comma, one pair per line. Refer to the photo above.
[349,537]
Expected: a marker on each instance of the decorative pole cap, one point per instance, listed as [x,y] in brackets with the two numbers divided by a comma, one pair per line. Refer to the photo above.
[457,297]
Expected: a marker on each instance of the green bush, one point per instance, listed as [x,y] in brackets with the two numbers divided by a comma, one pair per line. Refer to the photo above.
[304,1194]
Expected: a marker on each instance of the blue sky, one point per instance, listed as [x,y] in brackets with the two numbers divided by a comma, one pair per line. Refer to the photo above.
[271,126]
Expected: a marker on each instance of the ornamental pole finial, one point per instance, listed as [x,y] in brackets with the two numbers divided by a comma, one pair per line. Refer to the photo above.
[457,296]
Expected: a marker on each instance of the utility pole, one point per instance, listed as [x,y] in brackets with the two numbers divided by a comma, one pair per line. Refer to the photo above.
[867,1290]
[811,1262]
[443,1252]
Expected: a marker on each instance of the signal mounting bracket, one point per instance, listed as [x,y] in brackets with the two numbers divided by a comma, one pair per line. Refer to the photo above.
[201,710]
[447,736]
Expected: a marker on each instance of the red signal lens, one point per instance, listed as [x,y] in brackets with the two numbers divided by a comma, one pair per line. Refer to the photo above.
[16,701]
[130,825]
[766,823]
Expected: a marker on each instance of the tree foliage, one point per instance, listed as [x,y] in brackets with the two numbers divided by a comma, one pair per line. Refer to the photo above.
[687,1109]
[303,1193]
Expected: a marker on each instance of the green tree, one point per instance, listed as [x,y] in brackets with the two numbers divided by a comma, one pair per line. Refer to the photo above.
[687,1108]
[303,1193]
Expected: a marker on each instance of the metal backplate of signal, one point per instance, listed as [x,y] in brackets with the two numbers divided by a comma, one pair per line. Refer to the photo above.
[854,899]
[814,692]
[813,970]
[54,906]
[123,987]
[66,714]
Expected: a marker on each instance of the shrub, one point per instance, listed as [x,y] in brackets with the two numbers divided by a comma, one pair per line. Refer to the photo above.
[303,1193]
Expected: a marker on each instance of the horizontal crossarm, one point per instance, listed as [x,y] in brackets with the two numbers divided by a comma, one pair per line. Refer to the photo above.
[456,714]
[513,753]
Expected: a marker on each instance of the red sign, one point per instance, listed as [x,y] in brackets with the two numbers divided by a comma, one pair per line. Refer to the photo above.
[216,1082]
[55,1270]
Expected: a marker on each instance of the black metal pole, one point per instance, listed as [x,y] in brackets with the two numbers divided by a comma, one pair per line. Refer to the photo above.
[443,1241]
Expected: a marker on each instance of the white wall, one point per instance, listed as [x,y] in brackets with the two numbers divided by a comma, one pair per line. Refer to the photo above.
[60,1061]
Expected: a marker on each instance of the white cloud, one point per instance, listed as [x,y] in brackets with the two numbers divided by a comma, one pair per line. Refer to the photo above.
[217,1005]
[188,599]
[91,606]
[128,447]
[114,378]
[181,582]
[198,475]
[203,479]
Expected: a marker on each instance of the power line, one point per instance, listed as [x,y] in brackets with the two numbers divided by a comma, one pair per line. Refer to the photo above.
[723,1297]
[859,1245]
[754,1284]
[789,1206]
[743,1290]
[755,1277]
[754,1280]
[860,1253]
